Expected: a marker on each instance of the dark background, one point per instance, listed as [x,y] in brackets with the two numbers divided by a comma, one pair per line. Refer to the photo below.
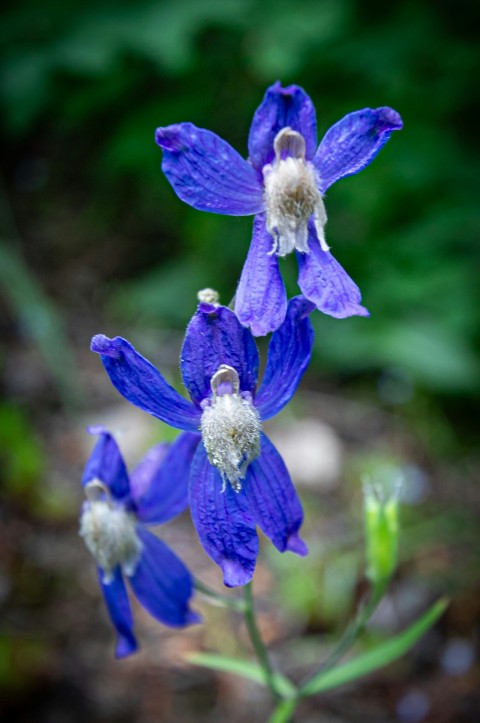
[93,239]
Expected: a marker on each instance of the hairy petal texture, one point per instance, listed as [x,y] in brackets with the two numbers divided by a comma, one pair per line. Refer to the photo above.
[207,173]
[223,521]
[118,606]
[160,482]
[214,337]
[353,142]
[325,283]
[281,108]
[261,299]
[289,354]
[162,583]
[273,500]
[106,465]
[143,385]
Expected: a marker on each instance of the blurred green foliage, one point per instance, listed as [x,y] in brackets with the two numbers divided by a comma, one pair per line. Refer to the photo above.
[21,456]
[85,84]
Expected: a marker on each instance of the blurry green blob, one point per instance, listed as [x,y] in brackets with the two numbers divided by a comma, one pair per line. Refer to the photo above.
[285,32]
[21,455]
[24,470]
[94,41]
[382,532]
[337,585]
[38,320]
[168,294]
[437,358]
[21,659]
[164,293]
[321,591]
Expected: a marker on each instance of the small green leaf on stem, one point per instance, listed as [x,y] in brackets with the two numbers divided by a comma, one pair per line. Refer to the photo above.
[243,668]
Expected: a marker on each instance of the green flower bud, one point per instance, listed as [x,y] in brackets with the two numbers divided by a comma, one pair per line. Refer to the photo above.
[381,525]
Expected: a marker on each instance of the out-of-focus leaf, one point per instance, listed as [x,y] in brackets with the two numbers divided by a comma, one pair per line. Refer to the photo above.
[38,320]
[20,452]
[243,668]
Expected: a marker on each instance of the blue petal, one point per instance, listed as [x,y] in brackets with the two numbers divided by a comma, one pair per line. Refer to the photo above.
[223,522]
[281,108]
[162,583]
[261,300]
[143,385]
[118,607]
[274,501]
[160,482]
[289,354]
[142,476]
[106,465]
[207,173]
[214,336]
[353,142]
[326,284]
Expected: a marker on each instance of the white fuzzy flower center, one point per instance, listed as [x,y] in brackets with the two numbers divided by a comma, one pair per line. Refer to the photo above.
[109,532]
[292,196]
[230,428]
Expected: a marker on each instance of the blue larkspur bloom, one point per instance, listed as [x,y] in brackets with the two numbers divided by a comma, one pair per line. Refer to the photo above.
[237,479]
[115,515]
[282,183]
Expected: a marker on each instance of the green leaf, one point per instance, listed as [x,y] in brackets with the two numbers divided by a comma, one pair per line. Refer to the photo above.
[244,668]
[377,658]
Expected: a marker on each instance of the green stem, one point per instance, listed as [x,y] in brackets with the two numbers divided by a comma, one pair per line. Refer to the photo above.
[365,612]
[218,599]
[258,644]
[284,711]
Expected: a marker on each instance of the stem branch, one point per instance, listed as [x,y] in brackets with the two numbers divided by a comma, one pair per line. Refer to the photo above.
[218,599]
[364,613]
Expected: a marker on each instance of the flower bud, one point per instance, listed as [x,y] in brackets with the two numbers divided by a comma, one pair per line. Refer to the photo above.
[381,525]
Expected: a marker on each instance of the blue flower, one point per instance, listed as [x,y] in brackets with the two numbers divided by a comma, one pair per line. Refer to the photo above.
[112,523]
[237,478]
[282,183]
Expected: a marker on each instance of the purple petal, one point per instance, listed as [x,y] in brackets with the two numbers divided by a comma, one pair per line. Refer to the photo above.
[143,475]
[326,284]
[160,482]
[261,300]
[223,522]
[106,465]
[274,501]
[214,336]
[162,583]
[118,606]
[143,385]
[207,173]
[289,354]
[281,108]
[353,142]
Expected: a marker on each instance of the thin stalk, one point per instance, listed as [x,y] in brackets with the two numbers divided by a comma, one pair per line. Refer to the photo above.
[257,642]
[284,711]
[365,612]
[220,600]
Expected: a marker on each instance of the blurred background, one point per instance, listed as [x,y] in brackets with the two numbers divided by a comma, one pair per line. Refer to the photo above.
[93,239]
